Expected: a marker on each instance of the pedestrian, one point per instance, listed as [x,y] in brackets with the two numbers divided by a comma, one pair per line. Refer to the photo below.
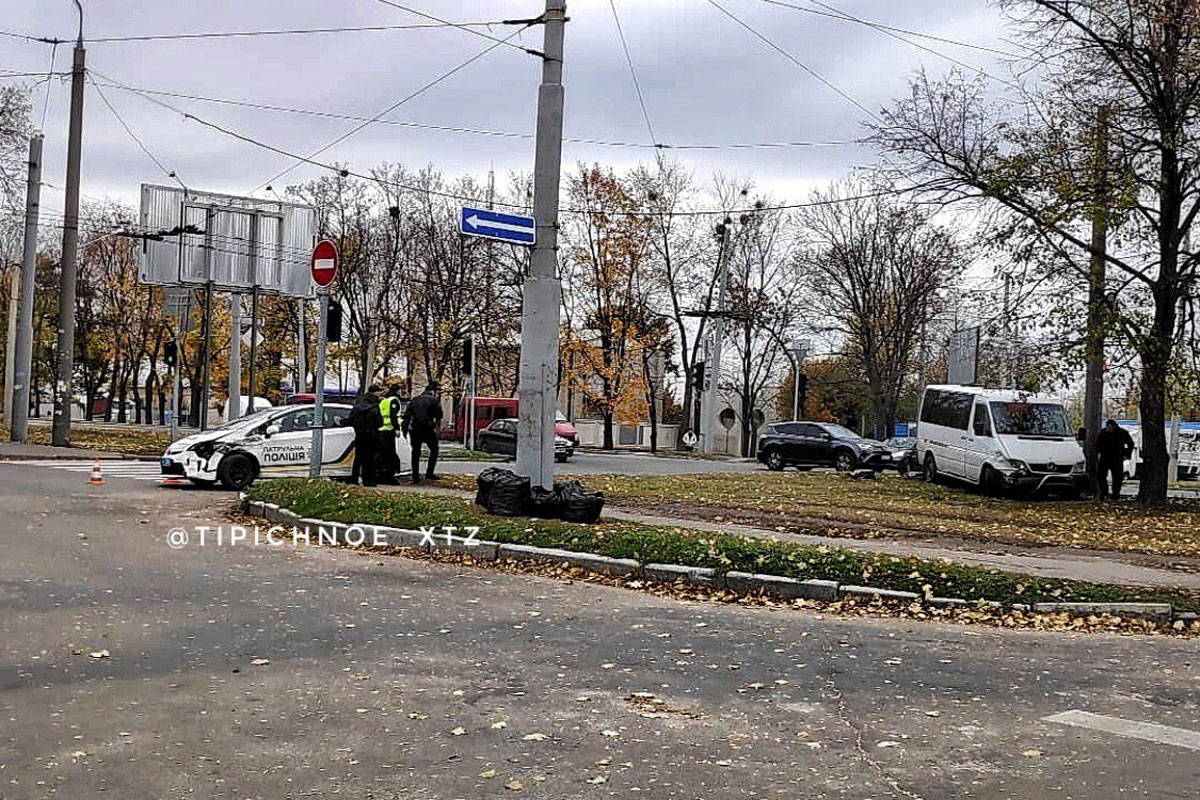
[1113,446]
[422,419]
[389,410]
[366,421]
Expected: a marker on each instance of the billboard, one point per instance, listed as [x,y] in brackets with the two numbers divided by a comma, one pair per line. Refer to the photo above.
[194,238]
[963,357]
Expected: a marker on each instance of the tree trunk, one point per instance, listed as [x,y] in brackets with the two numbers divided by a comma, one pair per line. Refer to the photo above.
[1156,357]
[608,429]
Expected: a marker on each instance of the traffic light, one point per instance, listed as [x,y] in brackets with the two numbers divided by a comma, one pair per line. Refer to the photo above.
[170,353]
[333,323]
[698,375]
[802,392]
[468,356]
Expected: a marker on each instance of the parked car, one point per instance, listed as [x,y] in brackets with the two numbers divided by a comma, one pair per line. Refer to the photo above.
[805,445]
[999,440]
[501,438]
[276,442]
[904,454]
[566,429]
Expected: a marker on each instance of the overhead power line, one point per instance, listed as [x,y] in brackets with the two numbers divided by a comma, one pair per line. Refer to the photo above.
[132,135]
[505,41]
[444,76]
[834,13]
[838,14]
[346,173]
[637,86]
[284,32]
[110,83]
[790,57]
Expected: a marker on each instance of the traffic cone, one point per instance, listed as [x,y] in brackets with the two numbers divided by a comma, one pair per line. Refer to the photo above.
[97,478]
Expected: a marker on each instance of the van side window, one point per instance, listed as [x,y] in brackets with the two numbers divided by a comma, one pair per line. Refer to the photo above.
[983,425]
[950,409]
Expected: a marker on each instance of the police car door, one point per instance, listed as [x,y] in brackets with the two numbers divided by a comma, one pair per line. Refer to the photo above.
[287,449]
[337,449]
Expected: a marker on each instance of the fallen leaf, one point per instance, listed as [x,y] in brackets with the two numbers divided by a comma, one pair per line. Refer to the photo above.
[488,774]
[514,786]
[499,726]
[888,743]
[459,731]
[1032,754]
[596,781]
[535,737]
[100,654]
[260,662]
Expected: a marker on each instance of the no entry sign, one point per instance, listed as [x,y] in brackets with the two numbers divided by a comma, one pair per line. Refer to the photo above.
[324,263]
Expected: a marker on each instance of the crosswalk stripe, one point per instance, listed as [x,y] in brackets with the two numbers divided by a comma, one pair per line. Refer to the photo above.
[133,470]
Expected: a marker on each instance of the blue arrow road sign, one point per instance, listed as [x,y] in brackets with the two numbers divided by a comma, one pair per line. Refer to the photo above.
[502,227]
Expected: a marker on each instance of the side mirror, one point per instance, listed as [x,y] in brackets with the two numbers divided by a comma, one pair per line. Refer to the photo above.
[272,430]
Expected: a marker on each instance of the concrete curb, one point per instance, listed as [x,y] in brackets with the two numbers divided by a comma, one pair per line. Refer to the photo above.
[744,583]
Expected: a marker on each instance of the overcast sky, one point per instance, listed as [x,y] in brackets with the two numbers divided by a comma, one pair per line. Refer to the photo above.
[706,81]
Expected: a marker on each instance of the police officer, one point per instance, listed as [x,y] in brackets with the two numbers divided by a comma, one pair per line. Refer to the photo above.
[420,426]
[1113,446]
[389,410]
[366,421]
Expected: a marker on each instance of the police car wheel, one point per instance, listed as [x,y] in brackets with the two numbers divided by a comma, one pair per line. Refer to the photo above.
[237,471]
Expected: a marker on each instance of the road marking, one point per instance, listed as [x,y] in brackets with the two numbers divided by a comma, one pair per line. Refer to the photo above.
[1151,732]
[133,470]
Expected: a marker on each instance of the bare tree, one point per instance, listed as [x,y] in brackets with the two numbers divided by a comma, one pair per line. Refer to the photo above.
[872,270]
[1142,62]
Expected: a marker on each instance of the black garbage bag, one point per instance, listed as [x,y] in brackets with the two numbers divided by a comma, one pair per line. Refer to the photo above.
[510,495]
[483,486]
[545,503]
[578,504]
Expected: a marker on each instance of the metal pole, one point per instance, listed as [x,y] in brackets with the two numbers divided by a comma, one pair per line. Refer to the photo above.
[253,345]
[234,403]
[542,290]
[177,381]
[70,255]
[205,389]
[712,370]
[300,379]
[471,408]
[318,434]
[23,353]
[796,391]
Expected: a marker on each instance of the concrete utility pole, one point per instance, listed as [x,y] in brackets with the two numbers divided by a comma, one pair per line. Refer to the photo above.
[1093,391]
[542,290]
[70,252]
[318,434]
[713,368]
[14,291]
[301,377]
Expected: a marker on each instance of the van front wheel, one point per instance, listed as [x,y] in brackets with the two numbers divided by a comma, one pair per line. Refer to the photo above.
[931,470]
[989,481]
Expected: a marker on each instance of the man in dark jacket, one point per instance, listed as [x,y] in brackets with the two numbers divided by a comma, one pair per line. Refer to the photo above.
[1113,446]
[366,421]
[421,422]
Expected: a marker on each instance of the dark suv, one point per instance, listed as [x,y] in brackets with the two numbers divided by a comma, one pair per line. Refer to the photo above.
[819,444]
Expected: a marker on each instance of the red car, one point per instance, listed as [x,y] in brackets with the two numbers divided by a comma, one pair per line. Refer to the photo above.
[488,409]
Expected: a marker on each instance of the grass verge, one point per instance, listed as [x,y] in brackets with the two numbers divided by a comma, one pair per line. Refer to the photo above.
[896,507]
[132,441]
[722,552]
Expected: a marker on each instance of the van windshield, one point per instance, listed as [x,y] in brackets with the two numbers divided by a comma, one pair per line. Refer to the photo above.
[1030,419]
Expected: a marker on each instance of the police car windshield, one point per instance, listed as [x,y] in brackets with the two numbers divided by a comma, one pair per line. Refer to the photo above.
[250,420]
[1030,419]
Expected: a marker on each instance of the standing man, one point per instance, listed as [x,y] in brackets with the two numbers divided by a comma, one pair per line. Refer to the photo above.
[366,421]
[389,461]
[1113,446]
[421,422]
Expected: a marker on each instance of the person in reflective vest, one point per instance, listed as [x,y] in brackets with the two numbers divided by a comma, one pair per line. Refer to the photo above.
[389,409]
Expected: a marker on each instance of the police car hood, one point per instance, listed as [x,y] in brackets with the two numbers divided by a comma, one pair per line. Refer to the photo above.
[1042,449]
[188,442]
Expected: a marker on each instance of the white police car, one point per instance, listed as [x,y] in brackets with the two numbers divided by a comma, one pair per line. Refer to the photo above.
[275,443]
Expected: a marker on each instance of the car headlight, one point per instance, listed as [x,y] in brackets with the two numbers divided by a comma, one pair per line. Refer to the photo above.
[203,449]
[1080,466]
[1018,465]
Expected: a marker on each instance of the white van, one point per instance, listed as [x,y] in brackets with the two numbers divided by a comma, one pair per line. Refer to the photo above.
[998,440]
[1189,449]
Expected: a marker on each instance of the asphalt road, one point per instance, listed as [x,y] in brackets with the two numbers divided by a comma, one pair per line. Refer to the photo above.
[392,678]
